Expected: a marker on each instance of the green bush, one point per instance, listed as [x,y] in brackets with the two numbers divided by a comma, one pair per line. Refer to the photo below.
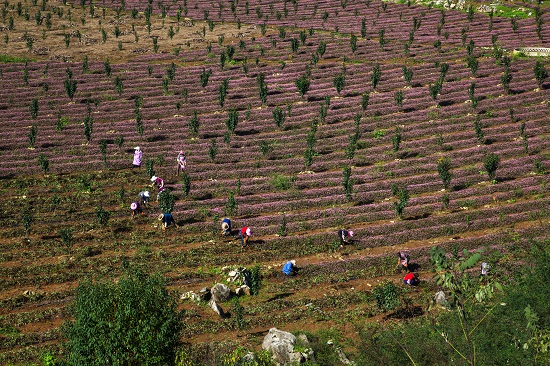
[387,296]
[132,322]
[166,201]
[102,216]
[444,170]
[491,162]
[32,135]
[44,163]
[282,182]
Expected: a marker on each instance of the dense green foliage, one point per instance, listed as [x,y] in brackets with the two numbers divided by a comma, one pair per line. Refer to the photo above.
[133,322]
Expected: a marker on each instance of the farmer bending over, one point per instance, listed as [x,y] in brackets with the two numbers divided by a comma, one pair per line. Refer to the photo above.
[245,233]
[290,268]
[167,220]
[226,227]
[345,236]
[136,209]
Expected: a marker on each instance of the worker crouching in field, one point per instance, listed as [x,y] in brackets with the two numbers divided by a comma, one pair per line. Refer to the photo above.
[245,234]
[136,209]
[144,197]
[345,236]
[167,220]
[411,279]
[290,268]
[226,227]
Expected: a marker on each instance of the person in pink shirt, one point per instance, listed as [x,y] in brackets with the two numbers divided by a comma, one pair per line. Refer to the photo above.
[159,182]
[137,157]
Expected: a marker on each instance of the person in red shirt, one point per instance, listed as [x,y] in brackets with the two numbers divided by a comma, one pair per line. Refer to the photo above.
[410,279]
[245,233]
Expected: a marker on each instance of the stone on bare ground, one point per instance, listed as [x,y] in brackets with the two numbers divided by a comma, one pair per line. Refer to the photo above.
[281,345]
[220,292]
[217,308]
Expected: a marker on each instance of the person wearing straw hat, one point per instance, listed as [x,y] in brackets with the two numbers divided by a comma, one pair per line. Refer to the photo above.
[137,157]
[136,209]
[167,219]
[181,161]
[226,227]
[345,236]
[290,268]
[245,234]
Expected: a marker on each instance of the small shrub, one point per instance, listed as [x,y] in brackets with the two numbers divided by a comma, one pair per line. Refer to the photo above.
[491,162]
[107,68]
[540,73]
[353,42]
[237,311]
[232,120]
[282,182]
[262,86]
[204,76]
[478,128]
[231,207]
[539,167]
[402,199]
[282,227]
[347,182]
[444,170]
[255,280]
[44,163]
[339,81]
[302,83]
[445,201]
[121,194]
[376,75]
[102,216]
[186,183]
[32,135]
[266,147]
[67,237]
[194,123]
[278,116]
[149,167]
[223,91]
[103,150]
[33,108]
[387,296]
[166,201]
[213,150]
[407,74]
[27,218]
[364,101]
[398,96]
[352,146]
[396,139]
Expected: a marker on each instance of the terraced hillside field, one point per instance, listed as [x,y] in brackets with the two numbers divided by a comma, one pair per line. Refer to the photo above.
[298,118]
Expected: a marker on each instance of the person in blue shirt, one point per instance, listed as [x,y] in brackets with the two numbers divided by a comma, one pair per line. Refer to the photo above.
[167,220]
[226,227]
[290,268]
